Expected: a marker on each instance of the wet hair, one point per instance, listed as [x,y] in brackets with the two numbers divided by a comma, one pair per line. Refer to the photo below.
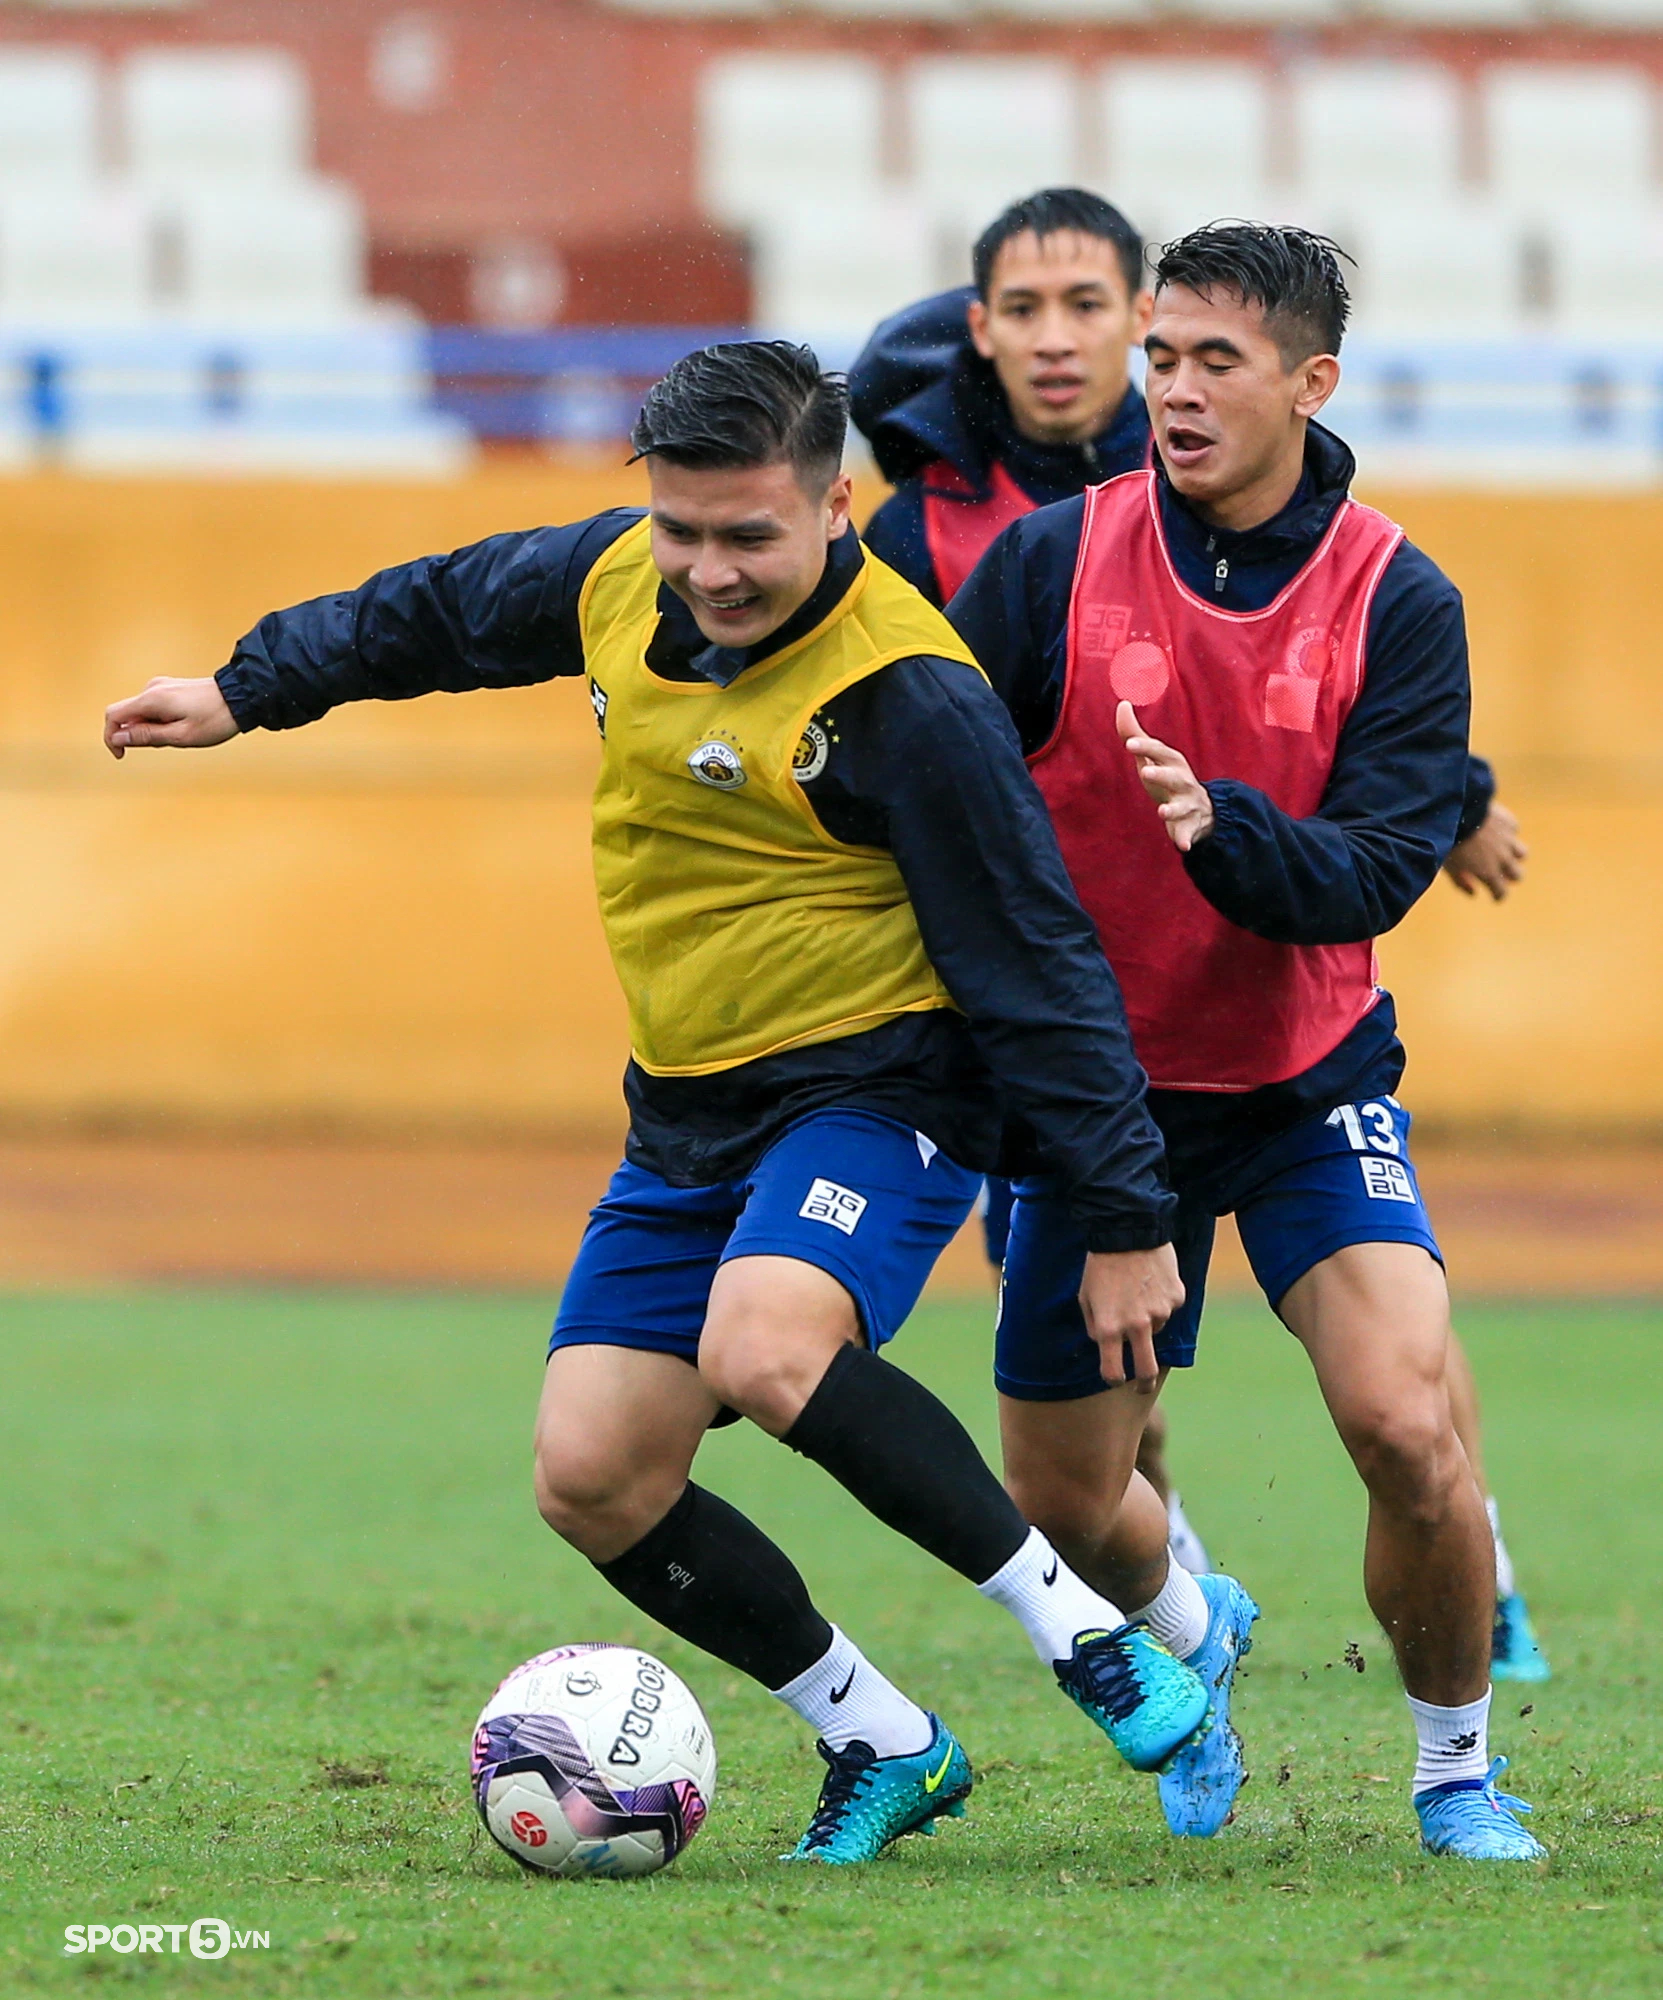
[747,402]
[1049,211]
[1292,275]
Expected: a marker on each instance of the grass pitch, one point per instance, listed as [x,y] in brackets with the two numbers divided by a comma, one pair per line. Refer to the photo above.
[266,1555]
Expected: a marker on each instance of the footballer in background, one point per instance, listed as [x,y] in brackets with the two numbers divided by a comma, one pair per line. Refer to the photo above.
[985,403]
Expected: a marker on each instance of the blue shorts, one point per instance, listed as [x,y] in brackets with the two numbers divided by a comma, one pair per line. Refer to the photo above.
[1327,1182]
[870,1201]
[995,1209]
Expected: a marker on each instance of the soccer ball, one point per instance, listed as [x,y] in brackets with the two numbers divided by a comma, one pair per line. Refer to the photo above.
[593,1760]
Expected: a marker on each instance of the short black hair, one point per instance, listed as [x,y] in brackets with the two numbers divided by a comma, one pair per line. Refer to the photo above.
[747,402]
[1053,209]
[1293,275]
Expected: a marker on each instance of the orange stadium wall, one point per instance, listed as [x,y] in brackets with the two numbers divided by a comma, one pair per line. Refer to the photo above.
[386,921]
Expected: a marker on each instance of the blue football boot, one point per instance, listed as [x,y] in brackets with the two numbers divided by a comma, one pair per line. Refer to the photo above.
[1198,1788]
[1471,1819]
[867,1801]
[1145,1700]
[1514,1652]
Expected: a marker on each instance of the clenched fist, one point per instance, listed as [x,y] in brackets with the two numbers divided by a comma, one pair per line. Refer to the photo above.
[169,715]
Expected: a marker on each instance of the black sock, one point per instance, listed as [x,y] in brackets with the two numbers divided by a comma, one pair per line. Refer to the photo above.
[906,1458]
[716,1581]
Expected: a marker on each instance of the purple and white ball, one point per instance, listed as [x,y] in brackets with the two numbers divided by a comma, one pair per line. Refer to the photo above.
[593,1760]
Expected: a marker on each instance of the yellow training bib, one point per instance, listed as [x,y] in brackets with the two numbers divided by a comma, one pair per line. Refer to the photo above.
[737,924]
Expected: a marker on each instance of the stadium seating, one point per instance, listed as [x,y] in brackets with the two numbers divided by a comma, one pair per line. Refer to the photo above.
[829,268]
[778,130]
[1607,270]
[49,116]
[193,116]
[985,129]
[286,252]
[1368,129]
[75,253]
[1184,142]
[1556,132]
[196,299]
[1435,269]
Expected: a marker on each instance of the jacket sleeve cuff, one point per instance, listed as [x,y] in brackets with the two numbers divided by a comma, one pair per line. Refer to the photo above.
[1130,1232]
[240,696]
[1477,800]
[1212,861]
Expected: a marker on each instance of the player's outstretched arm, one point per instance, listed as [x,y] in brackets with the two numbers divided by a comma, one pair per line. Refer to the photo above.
[169,715]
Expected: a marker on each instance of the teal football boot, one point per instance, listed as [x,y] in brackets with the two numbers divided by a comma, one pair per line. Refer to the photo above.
[1198,1788]
[868,1801]
[1471,1819]
[1143,1697]
[1515,1654]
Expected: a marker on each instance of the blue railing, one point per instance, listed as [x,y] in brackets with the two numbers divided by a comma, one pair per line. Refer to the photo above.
[575,384]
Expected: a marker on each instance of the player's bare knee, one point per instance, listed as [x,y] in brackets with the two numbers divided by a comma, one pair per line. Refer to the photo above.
[1406,1454]
[599,1507]
[764,1369]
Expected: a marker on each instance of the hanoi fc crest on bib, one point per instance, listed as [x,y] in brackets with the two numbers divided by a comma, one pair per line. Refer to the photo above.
[717,763]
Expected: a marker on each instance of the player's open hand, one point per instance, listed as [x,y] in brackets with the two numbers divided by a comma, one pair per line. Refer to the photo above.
[1185,806]
[1127,1296]
[1494,855]
[169,715]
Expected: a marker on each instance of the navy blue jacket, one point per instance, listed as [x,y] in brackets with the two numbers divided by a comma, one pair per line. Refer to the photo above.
[923,761]
[1393,803]
[920,392]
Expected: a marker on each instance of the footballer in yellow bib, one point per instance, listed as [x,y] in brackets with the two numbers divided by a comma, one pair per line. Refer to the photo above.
[855,970]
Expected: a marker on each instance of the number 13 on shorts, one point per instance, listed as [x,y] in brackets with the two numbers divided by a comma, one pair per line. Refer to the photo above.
[1372,1129]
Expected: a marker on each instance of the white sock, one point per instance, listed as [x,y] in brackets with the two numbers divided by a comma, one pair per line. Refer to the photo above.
[1505,1580]
[1052,1605]
[1187,1545]
[844,1698]
[1453,1742]
[1179,1616]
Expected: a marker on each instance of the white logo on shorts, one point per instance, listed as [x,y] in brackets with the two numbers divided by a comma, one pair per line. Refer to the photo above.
[1387,1180]
[840,1206]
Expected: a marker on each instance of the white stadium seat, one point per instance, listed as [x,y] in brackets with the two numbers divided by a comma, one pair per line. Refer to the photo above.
[1082,11]
[74,254]
[1606,260]
[1614,13]
[290,251]
[1269,13]
[190,115]
[1184,142]
[896,10]
[985,130]
[49,124]
[779,129]
[1556,131]
[1434,269]
[1462,13]
[1375,128]
[832,267]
